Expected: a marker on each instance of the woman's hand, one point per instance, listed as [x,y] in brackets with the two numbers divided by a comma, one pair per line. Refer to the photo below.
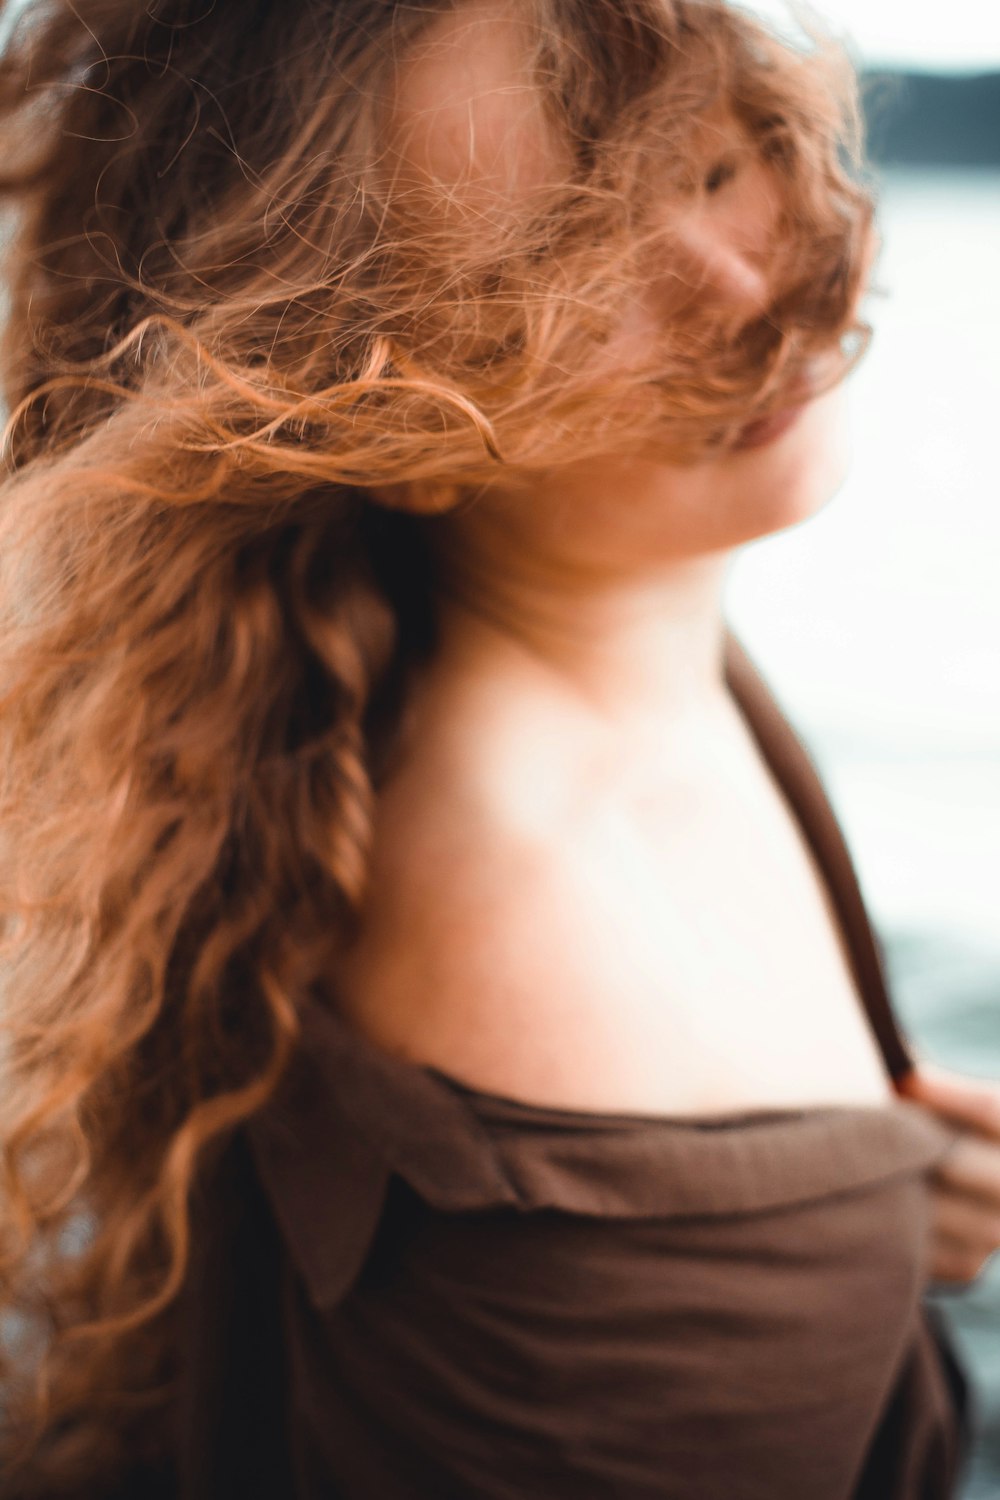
[965,1226]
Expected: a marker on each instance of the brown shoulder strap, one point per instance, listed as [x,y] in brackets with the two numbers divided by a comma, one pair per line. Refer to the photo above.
[796,774]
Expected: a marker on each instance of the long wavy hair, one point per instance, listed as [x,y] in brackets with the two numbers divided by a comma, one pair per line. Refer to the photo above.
[244,374]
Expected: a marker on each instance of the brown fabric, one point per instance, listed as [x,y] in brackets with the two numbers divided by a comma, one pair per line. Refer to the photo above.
[796,775]
[437,1292]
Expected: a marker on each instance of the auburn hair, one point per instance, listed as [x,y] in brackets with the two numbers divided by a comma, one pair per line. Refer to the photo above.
[243,377]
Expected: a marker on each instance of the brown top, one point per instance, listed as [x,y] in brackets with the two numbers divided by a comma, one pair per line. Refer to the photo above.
[409,1289]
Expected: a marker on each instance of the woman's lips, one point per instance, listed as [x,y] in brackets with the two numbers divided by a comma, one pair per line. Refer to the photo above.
[768,429]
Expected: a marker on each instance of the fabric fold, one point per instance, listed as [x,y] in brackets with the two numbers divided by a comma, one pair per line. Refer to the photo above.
[351,1115]
[485,1296]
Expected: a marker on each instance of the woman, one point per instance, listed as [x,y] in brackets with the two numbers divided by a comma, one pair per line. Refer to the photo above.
[411,891]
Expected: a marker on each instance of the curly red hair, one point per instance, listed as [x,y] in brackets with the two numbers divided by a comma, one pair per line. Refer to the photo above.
[239,373]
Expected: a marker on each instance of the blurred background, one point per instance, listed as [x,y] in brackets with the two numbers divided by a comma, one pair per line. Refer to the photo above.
[878,622]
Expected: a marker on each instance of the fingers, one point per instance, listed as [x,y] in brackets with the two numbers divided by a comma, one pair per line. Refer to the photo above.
[968,1220]
[971,1167]
[966,1183]
[965,1212]
[973,1102]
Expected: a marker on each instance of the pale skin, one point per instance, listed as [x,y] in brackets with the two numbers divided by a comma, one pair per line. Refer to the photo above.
[587,889]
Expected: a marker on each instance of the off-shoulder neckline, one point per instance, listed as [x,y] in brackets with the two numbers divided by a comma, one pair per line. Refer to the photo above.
[501,1106]
[795,778]
[352,1116]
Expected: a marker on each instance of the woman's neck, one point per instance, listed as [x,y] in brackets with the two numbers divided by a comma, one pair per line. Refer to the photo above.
[632,653]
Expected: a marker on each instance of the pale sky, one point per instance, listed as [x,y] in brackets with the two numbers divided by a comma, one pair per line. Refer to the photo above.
[962,35]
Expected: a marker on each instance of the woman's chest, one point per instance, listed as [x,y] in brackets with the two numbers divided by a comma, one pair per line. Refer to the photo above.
[738,972]
[662,942]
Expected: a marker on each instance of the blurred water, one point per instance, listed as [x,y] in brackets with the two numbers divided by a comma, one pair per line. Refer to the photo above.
[878,623]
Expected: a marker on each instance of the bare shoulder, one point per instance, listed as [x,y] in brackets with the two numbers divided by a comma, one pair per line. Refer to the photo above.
[543,928]
[477,955]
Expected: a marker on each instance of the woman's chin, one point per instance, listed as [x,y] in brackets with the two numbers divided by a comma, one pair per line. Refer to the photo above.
[790,470]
